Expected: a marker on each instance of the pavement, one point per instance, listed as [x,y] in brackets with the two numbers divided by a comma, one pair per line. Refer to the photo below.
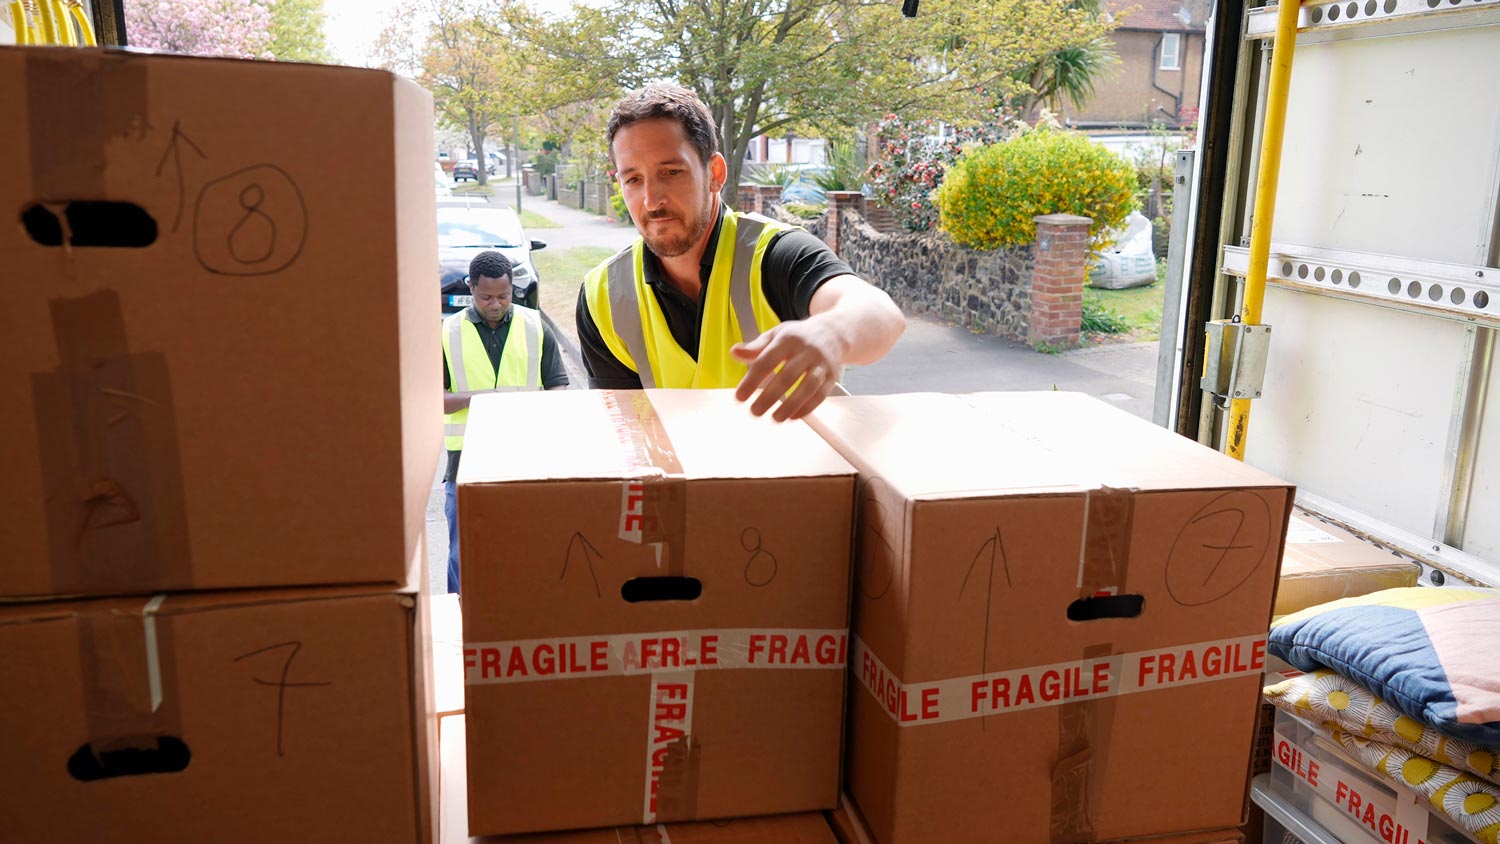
[931,356]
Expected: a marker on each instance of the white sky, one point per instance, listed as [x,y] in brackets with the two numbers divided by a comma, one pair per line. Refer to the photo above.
[353,25]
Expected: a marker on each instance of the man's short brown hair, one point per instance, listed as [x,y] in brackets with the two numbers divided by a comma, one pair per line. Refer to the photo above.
[673,102]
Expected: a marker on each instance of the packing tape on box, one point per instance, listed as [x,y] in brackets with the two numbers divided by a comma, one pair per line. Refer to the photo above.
[635,654]
[129,675]
[653,502]
[673,754]
[1084,725]
[1083,730]
[918,704]
[1104,556]
[112,473]
[77,102]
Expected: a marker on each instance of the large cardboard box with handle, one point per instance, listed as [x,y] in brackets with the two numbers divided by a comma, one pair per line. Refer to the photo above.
[1060,619]
[655,610]
[221,363]
[803,828]
[244,716]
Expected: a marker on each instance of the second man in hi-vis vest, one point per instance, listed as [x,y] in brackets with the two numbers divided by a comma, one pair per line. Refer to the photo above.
[492,346]
[713,298]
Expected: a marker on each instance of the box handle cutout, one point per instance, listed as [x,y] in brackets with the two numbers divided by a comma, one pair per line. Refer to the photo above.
[92,223]
[168,756]
[639,589]
[1106,606]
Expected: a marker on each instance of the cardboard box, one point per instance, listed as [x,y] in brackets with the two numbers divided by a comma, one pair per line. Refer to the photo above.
[1324,563]
[251,716]
[588,703]
[805,828]
[1055,602]
[249,394]
[849,827]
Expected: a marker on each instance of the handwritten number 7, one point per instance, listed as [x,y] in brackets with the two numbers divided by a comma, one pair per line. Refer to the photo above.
[282,684]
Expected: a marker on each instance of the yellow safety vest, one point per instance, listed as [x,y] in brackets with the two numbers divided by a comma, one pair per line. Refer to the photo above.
[634,328]
[469,364]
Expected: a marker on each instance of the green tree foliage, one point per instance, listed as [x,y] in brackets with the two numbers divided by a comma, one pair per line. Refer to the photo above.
[297,31]
[990,198]
[769,66]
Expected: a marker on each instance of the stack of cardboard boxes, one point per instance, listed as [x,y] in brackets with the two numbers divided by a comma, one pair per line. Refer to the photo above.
[220,386]
[1056,635]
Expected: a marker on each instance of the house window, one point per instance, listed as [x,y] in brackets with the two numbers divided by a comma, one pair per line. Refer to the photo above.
[1171,51]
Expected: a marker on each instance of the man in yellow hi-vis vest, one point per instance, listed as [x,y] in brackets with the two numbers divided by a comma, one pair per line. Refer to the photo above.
[713,298]
[491,346]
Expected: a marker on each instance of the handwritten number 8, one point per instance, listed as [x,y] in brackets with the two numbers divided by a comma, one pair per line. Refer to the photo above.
[759,560]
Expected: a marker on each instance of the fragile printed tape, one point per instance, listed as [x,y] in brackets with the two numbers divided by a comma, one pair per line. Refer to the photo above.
[998,692]
[628,654]
[1387,818]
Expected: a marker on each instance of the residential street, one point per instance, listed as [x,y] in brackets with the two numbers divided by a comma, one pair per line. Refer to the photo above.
[930,356]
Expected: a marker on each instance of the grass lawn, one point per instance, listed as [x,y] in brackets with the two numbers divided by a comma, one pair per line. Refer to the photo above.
[562,272]
[533,220]
[1138,307]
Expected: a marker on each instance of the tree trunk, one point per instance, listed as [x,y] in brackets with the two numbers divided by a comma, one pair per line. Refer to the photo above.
[476,136]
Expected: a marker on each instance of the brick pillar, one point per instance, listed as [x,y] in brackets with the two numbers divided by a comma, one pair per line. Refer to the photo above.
[840,201]
[745,198]
[1061,263]
[766,196]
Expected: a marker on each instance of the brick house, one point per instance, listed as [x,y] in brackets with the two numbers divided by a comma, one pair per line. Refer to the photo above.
[1160,44]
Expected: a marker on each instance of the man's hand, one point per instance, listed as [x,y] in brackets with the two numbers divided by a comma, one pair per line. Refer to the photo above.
[810,350]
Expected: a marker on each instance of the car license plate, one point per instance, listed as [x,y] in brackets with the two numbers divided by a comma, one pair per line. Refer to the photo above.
[460,301]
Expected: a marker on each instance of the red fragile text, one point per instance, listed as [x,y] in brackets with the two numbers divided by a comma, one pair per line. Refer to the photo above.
[1040,686]
[796,649]
[1376,819]
[1293,759]
[671,713]
[887,689]
[1199,663]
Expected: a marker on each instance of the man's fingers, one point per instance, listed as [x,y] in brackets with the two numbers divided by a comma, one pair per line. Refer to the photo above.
[746,352]
[763,367]
[777,388]
[815,386]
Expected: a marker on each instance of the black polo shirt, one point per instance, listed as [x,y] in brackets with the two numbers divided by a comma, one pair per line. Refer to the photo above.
[553,373]
[795,265]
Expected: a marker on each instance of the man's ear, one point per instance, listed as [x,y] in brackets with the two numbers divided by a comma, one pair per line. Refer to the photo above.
[718,172]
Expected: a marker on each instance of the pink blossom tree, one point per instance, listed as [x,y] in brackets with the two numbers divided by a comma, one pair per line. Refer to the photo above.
[235,28]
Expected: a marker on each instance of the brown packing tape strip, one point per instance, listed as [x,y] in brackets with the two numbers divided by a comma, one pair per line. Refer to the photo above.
[112,474]
[1084,729]
[1106,540]
[677,798]
[126,652]
[77,101]
[664,505]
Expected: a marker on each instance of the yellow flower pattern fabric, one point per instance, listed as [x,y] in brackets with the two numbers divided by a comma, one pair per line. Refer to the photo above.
[1333,700]
[1472,804]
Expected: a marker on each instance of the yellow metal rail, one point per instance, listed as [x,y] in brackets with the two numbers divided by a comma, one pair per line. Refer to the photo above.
[1272,131]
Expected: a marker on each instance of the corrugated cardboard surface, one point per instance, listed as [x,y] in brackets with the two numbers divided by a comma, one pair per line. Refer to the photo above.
[981,523]
[849,828]
[1324,563]
[764,525]
[806,828]
[305,713]
[253,399]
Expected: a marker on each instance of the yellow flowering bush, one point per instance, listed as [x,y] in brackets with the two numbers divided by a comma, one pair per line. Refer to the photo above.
[992,194]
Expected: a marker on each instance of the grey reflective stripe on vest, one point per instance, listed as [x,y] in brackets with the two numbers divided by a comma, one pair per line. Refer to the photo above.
[746,234]
[625,313]
[456,353]
[453,429]
[533,349]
